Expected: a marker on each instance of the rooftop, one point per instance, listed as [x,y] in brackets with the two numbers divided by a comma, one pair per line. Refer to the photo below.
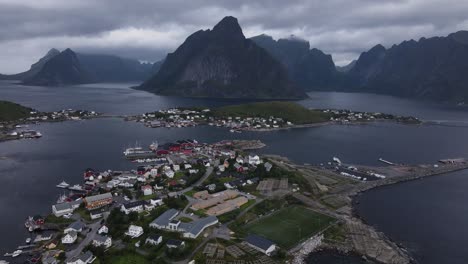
[98,197]
[259,241]
[165,218]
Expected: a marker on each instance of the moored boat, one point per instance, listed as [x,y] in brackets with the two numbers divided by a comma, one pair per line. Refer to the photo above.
[63,184]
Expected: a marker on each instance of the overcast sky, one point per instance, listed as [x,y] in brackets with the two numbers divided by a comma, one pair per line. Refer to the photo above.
[148,29]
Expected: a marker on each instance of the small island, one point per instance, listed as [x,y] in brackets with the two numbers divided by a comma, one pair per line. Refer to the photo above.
[13,117]
[262,116]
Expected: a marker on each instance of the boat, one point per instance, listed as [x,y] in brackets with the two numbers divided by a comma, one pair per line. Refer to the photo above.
[154,146]
[76,187]
[34,222]
[63,184]
[62,198]
[17,253]
[28,240]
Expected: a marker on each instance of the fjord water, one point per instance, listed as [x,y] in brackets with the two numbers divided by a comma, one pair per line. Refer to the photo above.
[30,169]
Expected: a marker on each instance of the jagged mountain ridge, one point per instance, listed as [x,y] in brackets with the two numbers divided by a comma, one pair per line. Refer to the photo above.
[222,63]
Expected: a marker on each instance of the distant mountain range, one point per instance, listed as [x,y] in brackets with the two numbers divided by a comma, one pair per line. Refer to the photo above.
[68,67]
[311,69]
[433,68]
[222,63]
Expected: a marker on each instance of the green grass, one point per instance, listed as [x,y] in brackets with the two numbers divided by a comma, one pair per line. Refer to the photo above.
[288,111]
[290,225]
[10,111]
[130,258]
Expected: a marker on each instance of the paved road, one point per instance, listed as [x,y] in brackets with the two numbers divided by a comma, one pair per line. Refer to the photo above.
[208,172]
[89,237]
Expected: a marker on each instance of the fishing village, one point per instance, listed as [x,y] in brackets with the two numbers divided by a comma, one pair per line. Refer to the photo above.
[193,202]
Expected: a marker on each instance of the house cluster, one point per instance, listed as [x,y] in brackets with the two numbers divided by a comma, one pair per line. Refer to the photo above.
[173,117]
[346,116]
[218,203]
[67,114]
[179,117]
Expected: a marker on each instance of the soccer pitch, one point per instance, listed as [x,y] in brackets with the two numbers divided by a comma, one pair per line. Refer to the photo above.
[290,225]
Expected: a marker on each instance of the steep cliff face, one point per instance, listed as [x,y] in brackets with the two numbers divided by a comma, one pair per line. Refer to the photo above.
[433,68]
[62,69]
[35,68]
[311,69]
[110,68]
[222,63]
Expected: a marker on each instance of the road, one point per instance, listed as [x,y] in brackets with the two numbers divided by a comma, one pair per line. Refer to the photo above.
[88,239]
[207,174]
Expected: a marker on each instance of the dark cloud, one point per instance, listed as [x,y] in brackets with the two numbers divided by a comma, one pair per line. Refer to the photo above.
[148,29]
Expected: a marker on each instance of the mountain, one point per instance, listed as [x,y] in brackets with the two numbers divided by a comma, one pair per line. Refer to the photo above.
[98,68]
[222,63]
[347,67]
[311,69]
[62,69]
[433,68]
[109,68]
[34,69]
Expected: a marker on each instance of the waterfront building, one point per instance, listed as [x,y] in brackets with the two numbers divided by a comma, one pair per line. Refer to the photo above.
[97,201]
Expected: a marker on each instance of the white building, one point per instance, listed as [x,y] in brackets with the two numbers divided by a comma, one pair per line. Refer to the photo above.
[103,230]
[147,190]
[102,241]
[154,240]
[83,258]
[69,238]
[138,206]
[169,173]
[254,159]
[134,231]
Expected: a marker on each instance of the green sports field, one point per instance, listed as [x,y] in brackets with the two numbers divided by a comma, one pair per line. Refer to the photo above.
[290,225]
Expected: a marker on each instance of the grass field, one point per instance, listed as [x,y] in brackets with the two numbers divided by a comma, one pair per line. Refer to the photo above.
[129,259]
[289,111]
[290,225]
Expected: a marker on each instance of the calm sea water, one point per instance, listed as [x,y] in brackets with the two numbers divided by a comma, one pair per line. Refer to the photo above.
[30,169]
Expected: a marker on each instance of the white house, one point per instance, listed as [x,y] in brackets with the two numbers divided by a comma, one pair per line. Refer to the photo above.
[154,240]
[69,238]
[221,168]
[176,167]
[169,173]
[134,231]
[77,226]
[147,190]
[137,206]
[187,166]
[172,243]
[102,241]
[65,208]
[254,159]
[103,230]
[156,201]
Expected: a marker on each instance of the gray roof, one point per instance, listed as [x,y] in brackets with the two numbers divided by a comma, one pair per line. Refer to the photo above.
[134,204]
[165,218]
[154,237]
[197,226]
[72,233]
[174,242]
[101,239]
[98,197]
[77,225]
[63,206]
[259,242]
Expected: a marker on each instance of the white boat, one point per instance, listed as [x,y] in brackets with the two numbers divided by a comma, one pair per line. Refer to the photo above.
[62,198]
[76,187]
[28,240]
[17,253]
[154,146]
[63,184]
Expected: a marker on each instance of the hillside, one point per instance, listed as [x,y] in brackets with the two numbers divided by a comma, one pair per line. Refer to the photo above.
[433,68]
[310,69]
[288,111]
[62,69]
[10,111]
[222,63]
